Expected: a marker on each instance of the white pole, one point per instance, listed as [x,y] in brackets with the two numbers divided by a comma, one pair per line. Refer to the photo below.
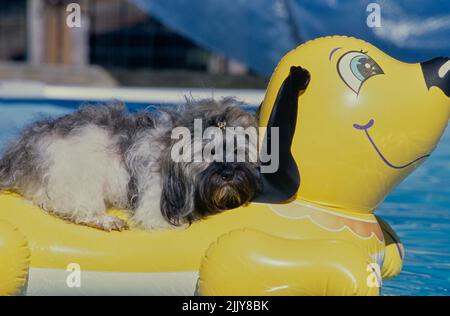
[80,38]
[36,32]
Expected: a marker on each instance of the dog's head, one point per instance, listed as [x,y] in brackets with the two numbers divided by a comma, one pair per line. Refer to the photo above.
[355,121]
[211,163]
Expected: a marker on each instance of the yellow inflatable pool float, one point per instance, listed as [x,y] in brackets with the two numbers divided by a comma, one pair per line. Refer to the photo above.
[352,123]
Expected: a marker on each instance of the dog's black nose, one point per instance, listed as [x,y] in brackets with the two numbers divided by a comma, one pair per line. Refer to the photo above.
[227,175]
[437,73]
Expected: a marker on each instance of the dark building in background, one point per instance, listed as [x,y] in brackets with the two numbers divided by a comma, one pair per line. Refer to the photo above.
[13,30]
[119,36]
[122,36]
[130,44]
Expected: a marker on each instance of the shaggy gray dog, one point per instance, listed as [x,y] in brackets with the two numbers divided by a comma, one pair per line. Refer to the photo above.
[98,157]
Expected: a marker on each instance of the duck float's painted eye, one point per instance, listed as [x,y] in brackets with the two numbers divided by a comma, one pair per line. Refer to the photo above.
[355,68]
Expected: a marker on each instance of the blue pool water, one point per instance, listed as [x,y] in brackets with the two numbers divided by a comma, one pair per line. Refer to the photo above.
[418,210]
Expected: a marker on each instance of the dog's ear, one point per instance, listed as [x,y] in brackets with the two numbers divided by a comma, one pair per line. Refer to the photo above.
[176,196]
[283,184]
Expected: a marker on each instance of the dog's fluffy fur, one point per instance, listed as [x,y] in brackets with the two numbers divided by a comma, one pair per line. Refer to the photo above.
[78,165]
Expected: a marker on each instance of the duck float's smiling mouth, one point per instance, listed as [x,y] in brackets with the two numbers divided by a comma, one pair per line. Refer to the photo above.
[366,128]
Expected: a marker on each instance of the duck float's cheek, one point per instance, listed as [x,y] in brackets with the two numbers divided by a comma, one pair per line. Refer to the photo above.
[379,152]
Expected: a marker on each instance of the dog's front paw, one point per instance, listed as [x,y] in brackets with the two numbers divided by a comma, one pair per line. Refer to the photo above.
[116,224]
[107,223]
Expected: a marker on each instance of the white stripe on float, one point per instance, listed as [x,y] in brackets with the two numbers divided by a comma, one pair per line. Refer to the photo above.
[43,282]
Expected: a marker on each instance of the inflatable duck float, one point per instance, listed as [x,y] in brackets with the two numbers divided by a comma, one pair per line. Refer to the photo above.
[352,124]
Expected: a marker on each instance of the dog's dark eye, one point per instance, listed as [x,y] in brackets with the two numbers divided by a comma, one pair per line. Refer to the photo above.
[355,68]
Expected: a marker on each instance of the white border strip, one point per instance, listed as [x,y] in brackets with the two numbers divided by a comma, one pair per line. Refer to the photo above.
[36,90]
